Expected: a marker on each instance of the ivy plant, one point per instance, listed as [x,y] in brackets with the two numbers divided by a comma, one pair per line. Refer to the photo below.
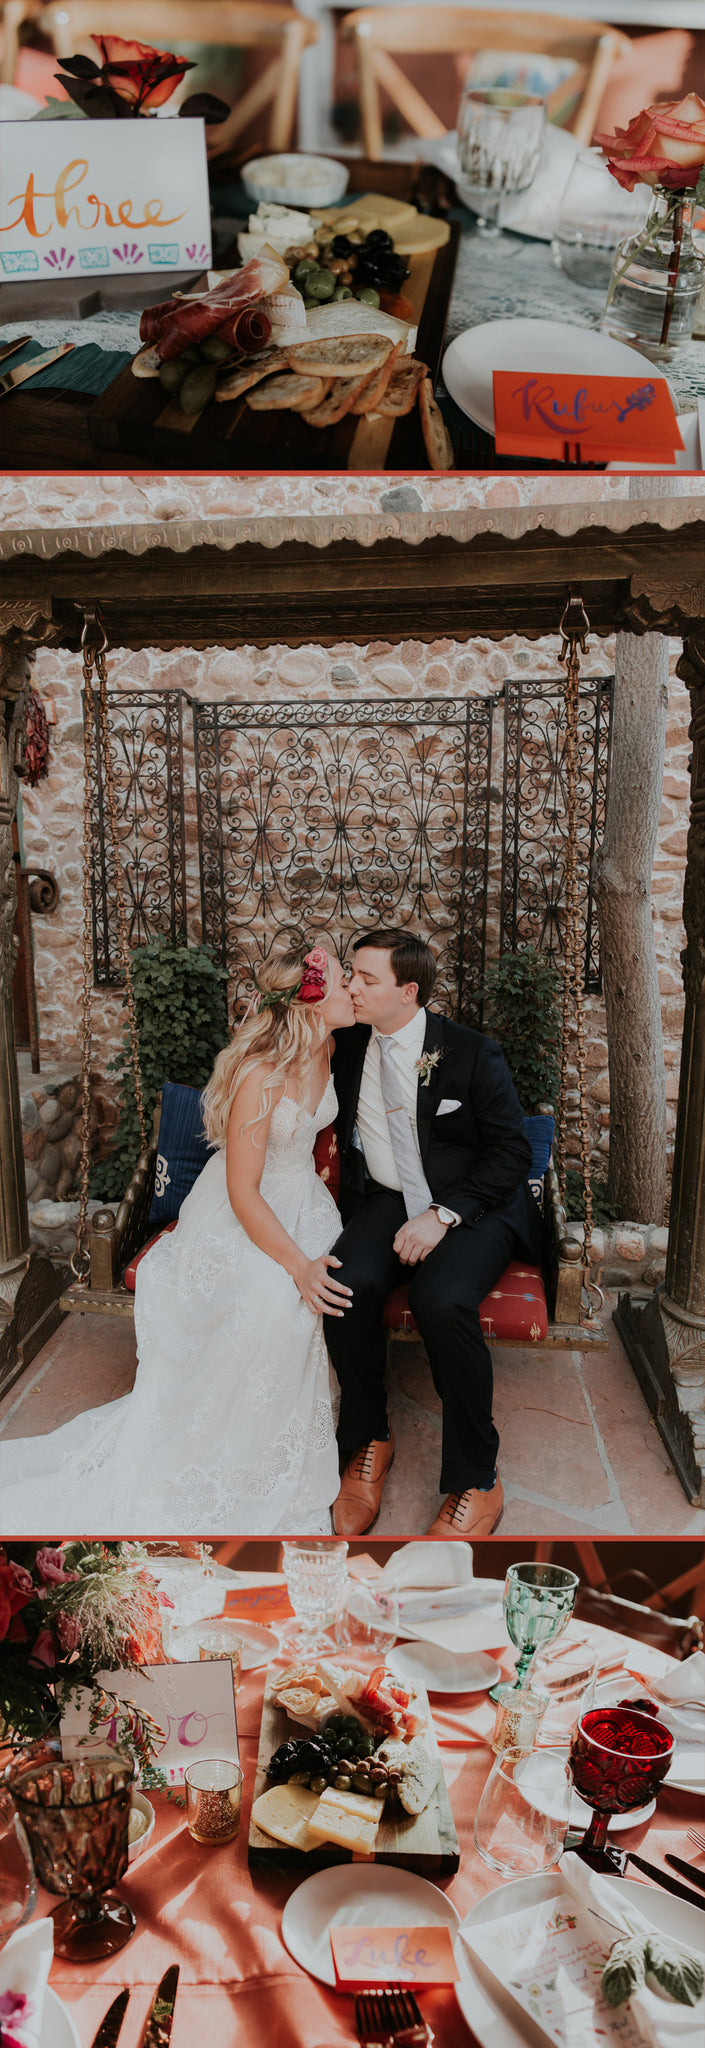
[180,997]
[522,1010]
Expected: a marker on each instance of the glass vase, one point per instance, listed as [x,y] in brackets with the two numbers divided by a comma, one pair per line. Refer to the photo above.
[657,278]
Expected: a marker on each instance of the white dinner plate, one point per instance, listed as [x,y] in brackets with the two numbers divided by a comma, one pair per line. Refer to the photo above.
[58,2030]
[498,2026]
[541,1774]
[258,1643]
[441,1670]
[547,346]
[348,1895]
[687,1772]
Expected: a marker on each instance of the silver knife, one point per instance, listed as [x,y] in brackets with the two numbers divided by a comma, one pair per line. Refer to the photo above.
[14,377]
[109,2028]
[157,2032]
[10,346]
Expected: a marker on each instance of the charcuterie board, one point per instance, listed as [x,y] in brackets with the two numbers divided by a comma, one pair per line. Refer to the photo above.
[136,416]
[424,1842]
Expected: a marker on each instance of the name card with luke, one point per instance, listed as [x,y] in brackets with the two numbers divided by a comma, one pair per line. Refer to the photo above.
[193,1706]
[90,197]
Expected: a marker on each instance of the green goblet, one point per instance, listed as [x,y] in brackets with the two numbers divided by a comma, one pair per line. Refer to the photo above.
[538,1601]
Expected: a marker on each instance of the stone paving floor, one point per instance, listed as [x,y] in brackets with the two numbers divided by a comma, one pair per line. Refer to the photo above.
[580,1453]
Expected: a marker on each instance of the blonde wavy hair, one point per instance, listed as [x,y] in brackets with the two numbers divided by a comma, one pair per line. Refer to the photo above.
[283,1037]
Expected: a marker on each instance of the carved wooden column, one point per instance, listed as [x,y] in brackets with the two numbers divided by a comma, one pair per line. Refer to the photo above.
[665,1337]
[29,1284]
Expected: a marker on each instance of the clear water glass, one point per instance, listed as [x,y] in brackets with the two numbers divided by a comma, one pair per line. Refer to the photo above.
[220,1642]
[18,1884]
[500,137]
[518,1830]
[316,1578]
[370,1617]
[595,212]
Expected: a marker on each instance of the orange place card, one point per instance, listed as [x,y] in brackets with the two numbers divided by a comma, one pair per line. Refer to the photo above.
[585,419]
[265,1604]
[363,1956]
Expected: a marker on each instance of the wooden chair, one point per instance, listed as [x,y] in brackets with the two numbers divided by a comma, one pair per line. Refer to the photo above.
[240,24]
[377,32]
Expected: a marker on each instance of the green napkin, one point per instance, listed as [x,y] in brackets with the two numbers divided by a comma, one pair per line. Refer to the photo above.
[87,368]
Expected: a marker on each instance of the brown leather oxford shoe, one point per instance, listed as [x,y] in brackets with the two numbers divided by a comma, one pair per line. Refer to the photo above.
[362,1485]
[473,1513]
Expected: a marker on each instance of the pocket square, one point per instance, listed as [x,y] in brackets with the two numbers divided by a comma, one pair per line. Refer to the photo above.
[449,1102]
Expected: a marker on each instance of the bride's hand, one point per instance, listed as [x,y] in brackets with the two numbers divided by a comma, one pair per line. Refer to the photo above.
[320,1292]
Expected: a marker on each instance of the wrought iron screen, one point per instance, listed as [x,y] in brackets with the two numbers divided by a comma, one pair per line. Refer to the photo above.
[146,738]
[534,814]
[337,817]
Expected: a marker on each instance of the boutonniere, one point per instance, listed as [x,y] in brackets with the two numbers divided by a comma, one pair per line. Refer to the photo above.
[426,1064]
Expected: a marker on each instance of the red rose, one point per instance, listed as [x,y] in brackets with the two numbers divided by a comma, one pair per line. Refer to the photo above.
[15,1590]
[134,70]
[313,985]
[68,1631]
[663,145]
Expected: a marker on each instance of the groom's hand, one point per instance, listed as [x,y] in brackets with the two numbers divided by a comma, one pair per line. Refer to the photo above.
[418,1237]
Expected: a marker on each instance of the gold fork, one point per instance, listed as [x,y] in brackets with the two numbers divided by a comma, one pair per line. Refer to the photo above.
[390,2019]
[696,1835]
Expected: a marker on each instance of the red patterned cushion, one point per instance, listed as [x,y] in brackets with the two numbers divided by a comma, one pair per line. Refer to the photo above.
[327,1158]
[515,1308]
[130,1273]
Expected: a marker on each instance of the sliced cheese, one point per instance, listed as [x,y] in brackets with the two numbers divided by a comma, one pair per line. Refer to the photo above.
[348,1819]
[284,1812]
[352,316]
[372,210]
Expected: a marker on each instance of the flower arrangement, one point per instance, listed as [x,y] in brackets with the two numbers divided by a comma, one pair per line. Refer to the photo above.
[133,80]
[67,1611]
[662,147]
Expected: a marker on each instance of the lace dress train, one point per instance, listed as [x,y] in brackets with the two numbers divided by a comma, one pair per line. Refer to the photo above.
[229,1428]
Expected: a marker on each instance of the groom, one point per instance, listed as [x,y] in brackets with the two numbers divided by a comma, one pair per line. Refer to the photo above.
[434,1159]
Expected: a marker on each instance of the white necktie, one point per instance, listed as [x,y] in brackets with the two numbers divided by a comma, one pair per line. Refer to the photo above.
[415,1188]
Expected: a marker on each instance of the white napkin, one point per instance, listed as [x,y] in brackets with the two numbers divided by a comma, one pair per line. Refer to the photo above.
[684,1683]
[25,1963]
[435,1566]
[665,2023]
[440,1600]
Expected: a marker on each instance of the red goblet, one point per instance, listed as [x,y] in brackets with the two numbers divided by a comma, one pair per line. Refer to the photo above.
[617,1760]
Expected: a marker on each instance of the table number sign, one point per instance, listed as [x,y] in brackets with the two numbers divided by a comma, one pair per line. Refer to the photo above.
[82,197]
[585,419]
[365,1956]
[193,1703]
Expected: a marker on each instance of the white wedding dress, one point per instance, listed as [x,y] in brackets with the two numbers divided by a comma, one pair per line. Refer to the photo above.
[229,1428]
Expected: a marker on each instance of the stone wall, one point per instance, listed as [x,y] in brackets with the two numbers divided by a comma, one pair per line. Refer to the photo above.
[51,1114]
[51,812]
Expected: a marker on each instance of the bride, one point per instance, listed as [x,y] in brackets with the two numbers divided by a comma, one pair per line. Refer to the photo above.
[229,1426]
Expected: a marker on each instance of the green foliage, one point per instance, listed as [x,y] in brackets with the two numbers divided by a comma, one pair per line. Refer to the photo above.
[604,1211]
[521,1009]
[181,1004]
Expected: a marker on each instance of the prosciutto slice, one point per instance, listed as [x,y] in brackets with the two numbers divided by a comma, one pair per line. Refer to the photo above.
[193,318]
[154,317]
[249,330]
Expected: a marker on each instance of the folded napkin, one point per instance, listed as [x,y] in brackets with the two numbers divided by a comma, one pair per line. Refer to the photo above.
[25,1963]
[440,1601]
[430,1565]
[664,2023]
[683,1683]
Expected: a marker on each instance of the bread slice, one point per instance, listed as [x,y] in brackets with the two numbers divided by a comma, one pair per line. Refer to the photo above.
[342,398]
[400,395]
[249,373]
[376,385]
[287,392]
[344,355]
[437,441]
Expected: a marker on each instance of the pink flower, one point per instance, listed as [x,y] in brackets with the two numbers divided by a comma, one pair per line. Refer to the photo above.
[663,145]
[14,2005]
[68,1632]
[51,1567]
[22,1580]
[134,70]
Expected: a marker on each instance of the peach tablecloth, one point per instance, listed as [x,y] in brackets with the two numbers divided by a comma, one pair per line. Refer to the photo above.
[205,1909]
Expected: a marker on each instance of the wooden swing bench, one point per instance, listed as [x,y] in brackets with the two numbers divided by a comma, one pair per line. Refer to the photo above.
[532,1305]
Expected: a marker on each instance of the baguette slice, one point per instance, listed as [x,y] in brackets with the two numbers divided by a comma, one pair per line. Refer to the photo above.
[250,372]
[437,441]
[344,355]
[400,395]
[341,399]
[287,392]
[375,387]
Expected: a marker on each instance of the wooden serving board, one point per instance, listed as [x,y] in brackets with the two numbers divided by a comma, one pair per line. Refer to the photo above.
[135,416]
[424,1842]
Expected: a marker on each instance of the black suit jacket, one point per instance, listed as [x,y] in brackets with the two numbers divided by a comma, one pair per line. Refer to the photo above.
[476,1157]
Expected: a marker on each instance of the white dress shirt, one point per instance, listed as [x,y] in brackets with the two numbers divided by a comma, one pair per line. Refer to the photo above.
[372,1124]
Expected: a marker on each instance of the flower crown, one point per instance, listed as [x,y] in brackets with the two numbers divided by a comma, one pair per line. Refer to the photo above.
[311,988]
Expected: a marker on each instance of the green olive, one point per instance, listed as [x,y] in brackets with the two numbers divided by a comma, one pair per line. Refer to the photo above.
[342,291]
[174,373]
[215,350]
[368,297]
[198,388]
[320,284]
[302,270]
[318,1784]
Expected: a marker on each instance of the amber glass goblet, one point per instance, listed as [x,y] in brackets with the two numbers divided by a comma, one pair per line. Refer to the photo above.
[618,1758]
[76,1815]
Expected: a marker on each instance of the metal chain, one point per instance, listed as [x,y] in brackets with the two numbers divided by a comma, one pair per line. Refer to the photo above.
[574,627]
[96,699]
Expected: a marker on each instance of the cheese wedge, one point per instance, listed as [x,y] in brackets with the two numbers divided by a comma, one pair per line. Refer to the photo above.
[348,1819]
[373,210]
[418,237]
[352,316]
[284,1812]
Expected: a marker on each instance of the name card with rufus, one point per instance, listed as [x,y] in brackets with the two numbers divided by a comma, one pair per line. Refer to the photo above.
[585,419]
[103,197]
[364,1956]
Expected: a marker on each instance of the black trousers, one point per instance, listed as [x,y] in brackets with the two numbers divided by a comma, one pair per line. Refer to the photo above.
[445,1291]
